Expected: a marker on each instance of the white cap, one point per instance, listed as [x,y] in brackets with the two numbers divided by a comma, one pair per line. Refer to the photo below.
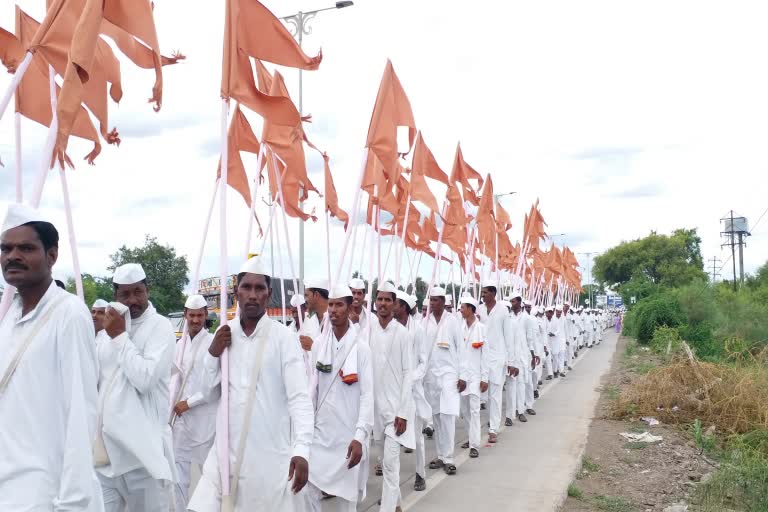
[254,265]
[196,302]
[319,284]
[357,284]
[408,299]
[437,292]
[549,308]
[489,283]
[559,307]
[515,295]
[130,273]
[20,214]
[506,304]
[297,300]
[339,292]
[566,303]
[387,287]
[468,299]
[100,304]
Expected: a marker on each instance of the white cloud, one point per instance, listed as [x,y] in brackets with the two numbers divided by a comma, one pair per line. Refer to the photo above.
[622,117]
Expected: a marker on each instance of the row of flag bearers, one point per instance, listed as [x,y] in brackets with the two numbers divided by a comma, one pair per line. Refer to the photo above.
[88,423]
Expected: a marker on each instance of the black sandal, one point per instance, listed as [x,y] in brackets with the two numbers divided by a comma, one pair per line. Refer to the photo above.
[436,464]
[450,469]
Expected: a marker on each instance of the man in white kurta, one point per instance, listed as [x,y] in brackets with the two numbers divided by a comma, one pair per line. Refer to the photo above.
[532,336]
[194,413]
[98,311]
[553,328]
[444,379]
[358,313]
[135,362]
[300,328]
[316,296]
[474,358]
[498,334]
[48,404]
[541,341]
[343,410]
[393,392]
[571,333]
[404,307]
[562,336]
[521,355]
[271,445]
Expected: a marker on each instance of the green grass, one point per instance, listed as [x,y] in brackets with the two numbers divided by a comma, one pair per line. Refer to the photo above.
[589,465]
[742,481]
[630,349]
[640,367]
[612,504]
[575,492]
[632,445]
[611,392]
[705,443]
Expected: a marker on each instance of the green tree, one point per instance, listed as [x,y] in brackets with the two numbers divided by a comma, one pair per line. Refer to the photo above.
[93,288]
[166,272]
[663,260]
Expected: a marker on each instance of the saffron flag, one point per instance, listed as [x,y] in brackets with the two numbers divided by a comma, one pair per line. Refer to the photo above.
[240,137]
[486,220]
[424,165]
[392,109]
[461,173]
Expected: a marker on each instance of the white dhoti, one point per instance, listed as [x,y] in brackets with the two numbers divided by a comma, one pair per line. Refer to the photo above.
[549,363]
[569,353]
[390,465]
[530,386]
[470,411]
[421,454]
[135,491]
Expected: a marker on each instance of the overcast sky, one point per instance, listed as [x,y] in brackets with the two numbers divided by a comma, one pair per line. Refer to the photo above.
[621,117]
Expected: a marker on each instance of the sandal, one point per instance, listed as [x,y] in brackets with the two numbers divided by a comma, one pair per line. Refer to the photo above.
[473,453]
[419,484]
[450,469]
[436,464]
[379,471]
[465,445]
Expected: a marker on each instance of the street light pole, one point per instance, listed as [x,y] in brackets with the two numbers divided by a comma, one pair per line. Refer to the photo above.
[299,25]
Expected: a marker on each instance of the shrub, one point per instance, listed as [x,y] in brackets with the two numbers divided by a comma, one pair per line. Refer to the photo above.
[666,340]
[659,310]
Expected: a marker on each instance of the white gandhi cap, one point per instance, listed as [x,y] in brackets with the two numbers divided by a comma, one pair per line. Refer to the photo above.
[357,284]
[20,214]
[339,292]
[100,304]
[130,273]
[196,302]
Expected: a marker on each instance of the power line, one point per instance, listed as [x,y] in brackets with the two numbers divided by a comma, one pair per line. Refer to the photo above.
[761,218]
[715,273]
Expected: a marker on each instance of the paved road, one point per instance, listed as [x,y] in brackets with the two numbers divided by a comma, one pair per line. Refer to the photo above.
[550,446]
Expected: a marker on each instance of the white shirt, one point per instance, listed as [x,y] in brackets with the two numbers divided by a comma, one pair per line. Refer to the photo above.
[194,430]
[135,419]
[552,332]
[475,356]
[521,352]
[282,419]
[344,413]
[498,334]
[393,388]
[48,410]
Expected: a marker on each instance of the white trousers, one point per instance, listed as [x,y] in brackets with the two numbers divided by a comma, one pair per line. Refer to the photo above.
[315,501]
[470,411]
[569,353]
[390,488]
[135,491]
[530,386]
[181,488]
[494,406]
[516,395]
[561,361]
[539,371]
[445,435]
[421,454]
[550,364]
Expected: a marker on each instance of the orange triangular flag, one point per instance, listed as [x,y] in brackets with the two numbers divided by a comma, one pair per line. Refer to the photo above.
[461,173]
[240,137]
[237,76]
[263,77]
[392,109]
[331,199]
[486,223]
[454,210]
[424,162]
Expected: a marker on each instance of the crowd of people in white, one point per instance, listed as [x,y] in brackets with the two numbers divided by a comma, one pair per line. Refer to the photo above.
[89,423]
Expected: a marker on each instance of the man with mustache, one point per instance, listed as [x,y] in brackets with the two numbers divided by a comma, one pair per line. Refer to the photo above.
[271,419]
[98,312]
[48,377]
[343,410]
[135,358]
[194,413]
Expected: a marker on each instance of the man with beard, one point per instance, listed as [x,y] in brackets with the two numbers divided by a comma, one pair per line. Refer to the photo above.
[271,421]
[48,376]
[136,468]
[194,414]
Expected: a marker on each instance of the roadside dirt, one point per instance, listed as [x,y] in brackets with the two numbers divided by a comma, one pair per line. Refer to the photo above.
[619,476]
